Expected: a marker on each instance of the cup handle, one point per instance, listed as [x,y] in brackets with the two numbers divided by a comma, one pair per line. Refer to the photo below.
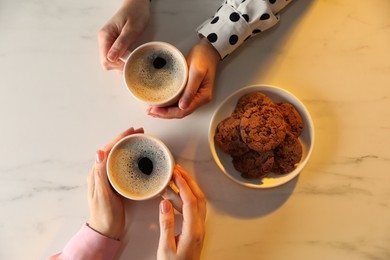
[125,56]
[171,193]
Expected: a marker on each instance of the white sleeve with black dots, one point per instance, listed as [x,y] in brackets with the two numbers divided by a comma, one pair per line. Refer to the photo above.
[238,20]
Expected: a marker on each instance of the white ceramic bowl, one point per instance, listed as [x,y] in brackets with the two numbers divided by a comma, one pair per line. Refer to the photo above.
[224,161]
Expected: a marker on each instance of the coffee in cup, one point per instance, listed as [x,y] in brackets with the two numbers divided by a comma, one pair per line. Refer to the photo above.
[140,166]
[156,73]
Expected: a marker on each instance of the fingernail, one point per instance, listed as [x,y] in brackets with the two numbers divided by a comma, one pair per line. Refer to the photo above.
[176,170]
[99,156]
[182,105]
[112,55]
[165,206]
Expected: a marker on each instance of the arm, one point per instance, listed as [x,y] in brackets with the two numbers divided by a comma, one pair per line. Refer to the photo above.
[88,244]
[236,21]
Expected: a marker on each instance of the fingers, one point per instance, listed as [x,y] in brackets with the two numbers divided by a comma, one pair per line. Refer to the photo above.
[167,241]
[195,189]
[191,182]
[105,41]
[168,112]
[91,184]
[93,180]
[100,174]
[176,112]
[194,200]
[121,44]
[102,171]
[113,42]
[195,78]
[129,131]
[106,38]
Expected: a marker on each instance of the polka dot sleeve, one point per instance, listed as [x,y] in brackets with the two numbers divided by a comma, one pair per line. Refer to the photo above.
[238,20]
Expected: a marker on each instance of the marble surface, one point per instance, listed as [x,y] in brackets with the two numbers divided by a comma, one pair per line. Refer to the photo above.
[57,106]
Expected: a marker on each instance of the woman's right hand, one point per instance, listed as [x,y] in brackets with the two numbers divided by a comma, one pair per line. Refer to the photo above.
[202,61]
[189,243]
[121,31]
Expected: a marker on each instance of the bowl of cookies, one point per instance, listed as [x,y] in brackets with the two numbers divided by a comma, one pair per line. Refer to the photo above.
[261,136]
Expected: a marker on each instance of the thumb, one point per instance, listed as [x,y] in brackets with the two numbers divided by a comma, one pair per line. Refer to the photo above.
[121,44]
[195,78]
[167,228]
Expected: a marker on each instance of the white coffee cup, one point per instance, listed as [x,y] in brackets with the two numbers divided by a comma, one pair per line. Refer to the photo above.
[155,73]
[140,167]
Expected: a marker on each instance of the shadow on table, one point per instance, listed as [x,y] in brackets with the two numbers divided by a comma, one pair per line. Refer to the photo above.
[142,230]
[142,233]
[240,201]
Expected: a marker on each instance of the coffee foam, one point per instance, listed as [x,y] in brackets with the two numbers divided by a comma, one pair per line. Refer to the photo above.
[152,84]
[128,178]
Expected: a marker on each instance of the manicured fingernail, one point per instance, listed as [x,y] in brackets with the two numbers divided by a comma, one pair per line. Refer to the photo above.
[165,206]
[182,105]
[99,156]
[176,171]
[112,55]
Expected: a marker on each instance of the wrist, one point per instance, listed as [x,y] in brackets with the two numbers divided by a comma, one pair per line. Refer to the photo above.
[216,57]
[108,233]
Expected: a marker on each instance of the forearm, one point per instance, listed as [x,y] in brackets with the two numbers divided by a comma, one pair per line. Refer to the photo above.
[88,244]
[214,55]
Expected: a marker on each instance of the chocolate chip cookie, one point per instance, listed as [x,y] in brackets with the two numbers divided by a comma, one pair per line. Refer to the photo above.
[291,116]
[254,165]
[250,100]
[262,129]
[228,137]
[287,154]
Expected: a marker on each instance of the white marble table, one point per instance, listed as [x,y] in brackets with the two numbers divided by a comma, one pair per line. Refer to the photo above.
[57,106]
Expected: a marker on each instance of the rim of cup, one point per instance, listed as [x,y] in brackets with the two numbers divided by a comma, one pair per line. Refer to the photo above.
[183,62]
[161,145]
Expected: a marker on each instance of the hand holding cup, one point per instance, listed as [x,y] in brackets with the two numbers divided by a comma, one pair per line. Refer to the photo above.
[107,215]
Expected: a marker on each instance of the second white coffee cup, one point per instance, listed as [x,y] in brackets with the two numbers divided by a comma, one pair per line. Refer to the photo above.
[140,167]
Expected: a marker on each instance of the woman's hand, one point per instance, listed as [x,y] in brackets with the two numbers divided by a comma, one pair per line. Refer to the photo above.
[202,65]
[121,31]
[107,214]
[189,243]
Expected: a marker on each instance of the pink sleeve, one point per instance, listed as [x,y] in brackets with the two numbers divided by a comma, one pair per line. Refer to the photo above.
[88,244]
